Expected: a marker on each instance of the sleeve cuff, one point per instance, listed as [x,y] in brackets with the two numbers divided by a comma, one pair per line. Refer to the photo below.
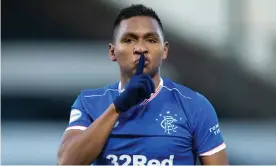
[76,128]
[214,150]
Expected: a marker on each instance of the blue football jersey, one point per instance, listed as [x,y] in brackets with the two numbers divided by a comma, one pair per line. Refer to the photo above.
[173,127]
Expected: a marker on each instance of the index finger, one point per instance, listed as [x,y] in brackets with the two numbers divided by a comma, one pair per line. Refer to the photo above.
[141,64]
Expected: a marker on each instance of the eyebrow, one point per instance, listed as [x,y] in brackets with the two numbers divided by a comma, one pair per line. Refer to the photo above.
[134,35]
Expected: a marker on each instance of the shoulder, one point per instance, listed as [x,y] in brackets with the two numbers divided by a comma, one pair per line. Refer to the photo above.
[197,107]
[98,92]
[181,90]
[190,98]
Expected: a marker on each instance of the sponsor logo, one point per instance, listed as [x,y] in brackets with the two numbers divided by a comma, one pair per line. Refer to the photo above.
[136,160]
[75,115]
[214,129]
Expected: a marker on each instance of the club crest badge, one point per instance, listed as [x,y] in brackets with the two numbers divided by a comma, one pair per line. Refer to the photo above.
[168,122]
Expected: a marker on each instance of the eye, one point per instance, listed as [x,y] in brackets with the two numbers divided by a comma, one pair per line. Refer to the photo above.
[128,40]
[151,40]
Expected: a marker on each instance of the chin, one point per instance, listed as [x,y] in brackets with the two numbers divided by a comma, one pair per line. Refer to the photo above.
[146,71]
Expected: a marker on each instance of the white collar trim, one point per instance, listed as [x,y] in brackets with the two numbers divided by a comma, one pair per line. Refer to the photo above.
[156,90]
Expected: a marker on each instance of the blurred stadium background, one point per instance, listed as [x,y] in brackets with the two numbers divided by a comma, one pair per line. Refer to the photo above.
[52,49]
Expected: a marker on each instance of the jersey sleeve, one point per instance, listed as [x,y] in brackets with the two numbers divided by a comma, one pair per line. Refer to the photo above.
[79,118]
[208,139]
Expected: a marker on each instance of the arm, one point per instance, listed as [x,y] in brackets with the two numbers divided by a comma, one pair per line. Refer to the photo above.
[83,147]
[209,144]
[219,158]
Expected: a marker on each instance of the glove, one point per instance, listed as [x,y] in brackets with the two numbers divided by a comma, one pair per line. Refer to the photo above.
[139,88]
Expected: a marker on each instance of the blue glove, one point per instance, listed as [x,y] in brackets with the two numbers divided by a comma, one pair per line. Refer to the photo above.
[139,88]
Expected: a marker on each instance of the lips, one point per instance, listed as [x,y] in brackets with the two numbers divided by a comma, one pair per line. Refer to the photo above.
[146,63]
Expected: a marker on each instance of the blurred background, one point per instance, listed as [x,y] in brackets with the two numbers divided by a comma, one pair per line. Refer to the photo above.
[51,50]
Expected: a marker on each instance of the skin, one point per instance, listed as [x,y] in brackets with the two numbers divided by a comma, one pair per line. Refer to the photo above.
[143,34]
[132,37]
[83,147]
[219,158]
[135,36]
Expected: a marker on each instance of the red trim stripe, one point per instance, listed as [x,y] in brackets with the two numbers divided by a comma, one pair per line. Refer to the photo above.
[153,95]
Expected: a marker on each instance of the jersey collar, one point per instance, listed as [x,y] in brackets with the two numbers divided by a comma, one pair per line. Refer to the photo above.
[157,90]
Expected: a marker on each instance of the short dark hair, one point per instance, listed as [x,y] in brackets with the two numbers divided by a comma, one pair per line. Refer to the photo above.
[136,10]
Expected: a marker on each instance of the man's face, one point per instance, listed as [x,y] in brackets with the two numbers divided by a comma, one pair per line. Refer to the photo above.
[138,35]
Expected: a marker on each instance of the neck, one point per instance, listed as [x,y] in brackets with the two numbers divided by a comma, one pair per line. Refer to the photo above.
[156,79]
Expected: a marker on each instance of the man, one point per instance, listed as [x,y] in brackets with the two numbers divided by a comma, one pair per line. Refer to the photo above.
[143,119]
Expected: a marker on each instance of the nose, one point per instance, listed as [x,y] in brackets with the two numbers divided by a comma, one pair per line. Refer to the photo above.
[140,48]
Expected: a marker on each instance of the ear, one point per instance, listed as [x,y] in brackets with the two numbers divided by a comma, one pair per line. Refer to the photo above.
[112,52]
[166,50]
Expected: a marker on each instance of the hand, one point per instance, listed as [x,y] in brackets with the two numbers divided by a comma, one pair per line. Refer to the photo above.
[139,88]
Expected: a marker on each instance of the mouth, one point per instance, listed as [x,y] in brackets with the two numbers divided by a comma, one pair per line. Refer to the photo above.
[146,63]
